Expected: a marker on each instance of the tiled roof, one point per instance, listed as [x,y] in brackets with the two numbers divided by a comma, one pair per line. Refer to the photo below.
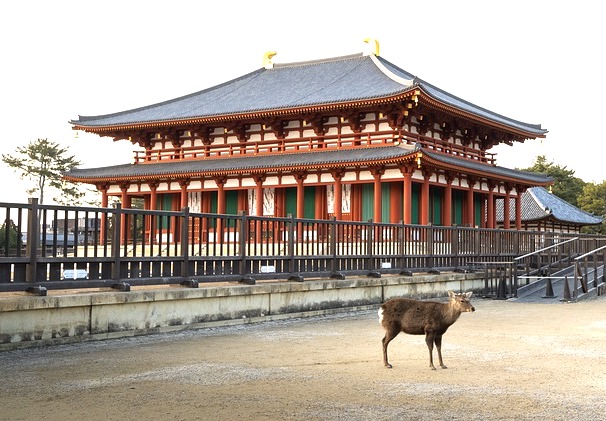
[457,102]
[290,86]
[291,161]
[538,204]
[282,161]
[529,177]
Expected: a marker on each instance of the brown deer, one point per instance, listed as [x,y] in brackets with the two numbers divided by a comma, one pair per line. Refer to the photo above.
[417,317]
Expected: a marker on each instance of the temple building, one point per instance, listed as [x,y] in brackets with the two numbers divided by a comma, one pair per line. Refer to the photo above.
[354,137]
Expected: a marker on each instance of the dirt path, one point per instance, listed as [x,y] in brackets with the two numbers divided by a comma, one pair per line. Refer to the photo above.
[507,361]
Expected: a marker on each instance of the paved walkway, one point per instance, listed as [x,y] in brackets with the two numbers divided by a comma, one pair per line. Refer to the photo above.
[507,361]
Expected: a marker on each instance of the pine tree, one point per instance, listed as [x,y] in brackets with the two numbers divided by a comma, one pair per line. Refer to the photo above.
[43,163]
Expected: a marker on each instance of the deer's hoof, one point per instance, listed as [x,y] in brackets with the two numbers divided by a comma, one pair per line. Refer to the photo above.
[432,367]
[388,366]
[443,366]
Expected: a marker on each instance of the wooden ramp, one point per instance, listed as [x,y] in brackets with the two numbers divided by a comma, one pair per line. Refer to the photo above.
[560,287]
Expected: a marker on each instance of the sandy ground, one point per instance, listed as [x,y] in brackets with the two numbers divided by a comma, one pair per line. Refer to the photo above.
[507,361]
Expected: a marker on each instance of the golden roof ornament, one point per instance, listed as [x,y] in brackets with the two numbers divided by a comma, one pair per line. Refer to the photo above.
[267,63]
[376,45]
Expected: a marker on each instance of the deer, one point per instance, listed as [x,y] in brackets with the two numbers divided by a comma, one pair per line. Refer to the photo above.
[416,317]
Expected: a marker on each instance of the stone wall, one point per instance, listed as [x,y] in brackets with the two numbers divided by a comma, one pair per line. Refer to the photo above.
[72,316]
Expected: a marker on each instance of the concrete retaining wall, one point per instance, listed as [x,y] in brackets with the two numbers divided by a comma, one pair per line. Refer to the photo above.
[63,317]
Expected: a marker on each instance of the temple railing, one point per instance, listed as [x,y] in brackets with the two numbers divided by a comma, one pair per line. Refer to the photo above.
[57,247]
[311,144]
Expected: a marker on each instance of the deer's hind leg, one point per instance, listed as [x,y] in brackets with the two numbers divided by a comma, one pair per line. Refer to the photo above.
[391,331]
[429,340]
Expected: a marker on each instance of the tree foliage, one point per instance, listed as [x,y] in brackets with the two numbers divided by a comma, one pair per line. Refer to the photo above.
[565,185]
[590,197]
[593,200]
[43,162]
[10,238]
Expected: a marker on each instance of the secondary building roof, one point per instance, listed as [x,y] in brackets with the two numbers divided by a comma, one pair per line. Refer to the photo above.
[538,204]
[295,87]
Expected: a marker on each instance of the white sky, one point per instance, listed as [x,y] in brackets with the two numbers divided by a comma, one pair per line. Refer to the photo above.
[534,61]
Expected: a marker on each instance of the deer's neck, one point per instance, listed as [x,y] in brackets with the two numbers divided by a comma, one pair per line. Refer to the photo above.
[452,313]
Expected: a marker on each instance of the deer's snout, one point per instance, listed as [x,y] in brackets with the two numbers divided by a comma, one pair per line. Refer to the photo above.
[472,308]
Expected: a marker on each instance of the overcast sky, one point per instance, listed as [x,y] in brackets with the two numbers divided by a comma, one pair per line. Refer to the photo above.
[534,61]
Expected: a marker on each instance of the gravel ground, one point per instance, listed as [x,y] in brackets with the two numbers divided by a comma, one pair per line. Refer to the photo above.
[507,361]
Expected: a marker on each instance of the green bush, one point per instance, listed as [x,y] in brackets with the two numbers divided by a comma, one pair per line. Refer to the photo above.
[10,238]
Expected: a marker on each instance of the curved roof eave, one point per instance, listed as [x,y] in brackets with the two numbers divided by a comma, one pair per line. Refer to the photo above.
[306,161]
[458,105]
[454,102]
[557,208]
[248,115]
[238,165]
[481,169]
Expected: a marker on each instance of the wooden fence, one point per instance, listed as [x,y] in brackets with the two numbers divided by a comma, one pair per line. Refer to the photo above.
[54,247]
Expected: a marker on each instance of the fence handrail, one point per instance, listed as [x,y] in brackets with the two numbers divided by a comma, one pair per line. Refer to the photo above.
[589,253]
[546,248]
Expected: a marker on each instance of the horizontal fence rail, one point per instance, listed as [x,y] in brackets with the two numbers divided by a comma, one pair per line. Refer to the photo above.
[59,247]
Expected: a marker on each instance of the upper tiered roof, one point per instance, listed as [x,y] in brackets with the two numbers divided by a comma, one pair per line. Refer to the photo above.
[341,82]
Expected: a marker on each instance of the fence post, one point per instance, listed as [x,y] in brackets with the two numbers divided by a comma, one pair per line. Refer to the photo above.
[33,238]
[243,236]
[401,245]
[185,242]
[332,244]
[454,245]
[291,243]
[370,241]
[430,247]
[514,276]
[116,240]
[575,281]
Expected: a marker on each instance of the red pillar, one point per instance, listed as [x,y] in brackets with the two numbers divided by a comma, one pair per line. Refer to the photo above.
[447,211]
[490,208]
[519,209]
[470,204]
[425,200]
[378,209]
[506,215]
[124,199]
[183,184]
[220,206]
[259,197]
[300,177]
[407,194]
[220,195]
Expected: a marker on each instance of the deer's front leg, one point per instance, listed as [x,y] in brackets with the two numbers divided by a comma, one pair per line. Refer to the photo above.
[438,341]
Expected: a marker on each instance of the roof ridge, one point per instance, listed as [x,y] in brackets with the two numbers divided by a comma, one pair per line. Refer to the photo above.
[390,74]
[317,61]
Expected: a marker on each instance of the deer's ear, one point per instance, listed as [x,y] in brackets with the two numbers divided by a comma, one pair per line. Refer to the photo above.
[468,294]
[451,294]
